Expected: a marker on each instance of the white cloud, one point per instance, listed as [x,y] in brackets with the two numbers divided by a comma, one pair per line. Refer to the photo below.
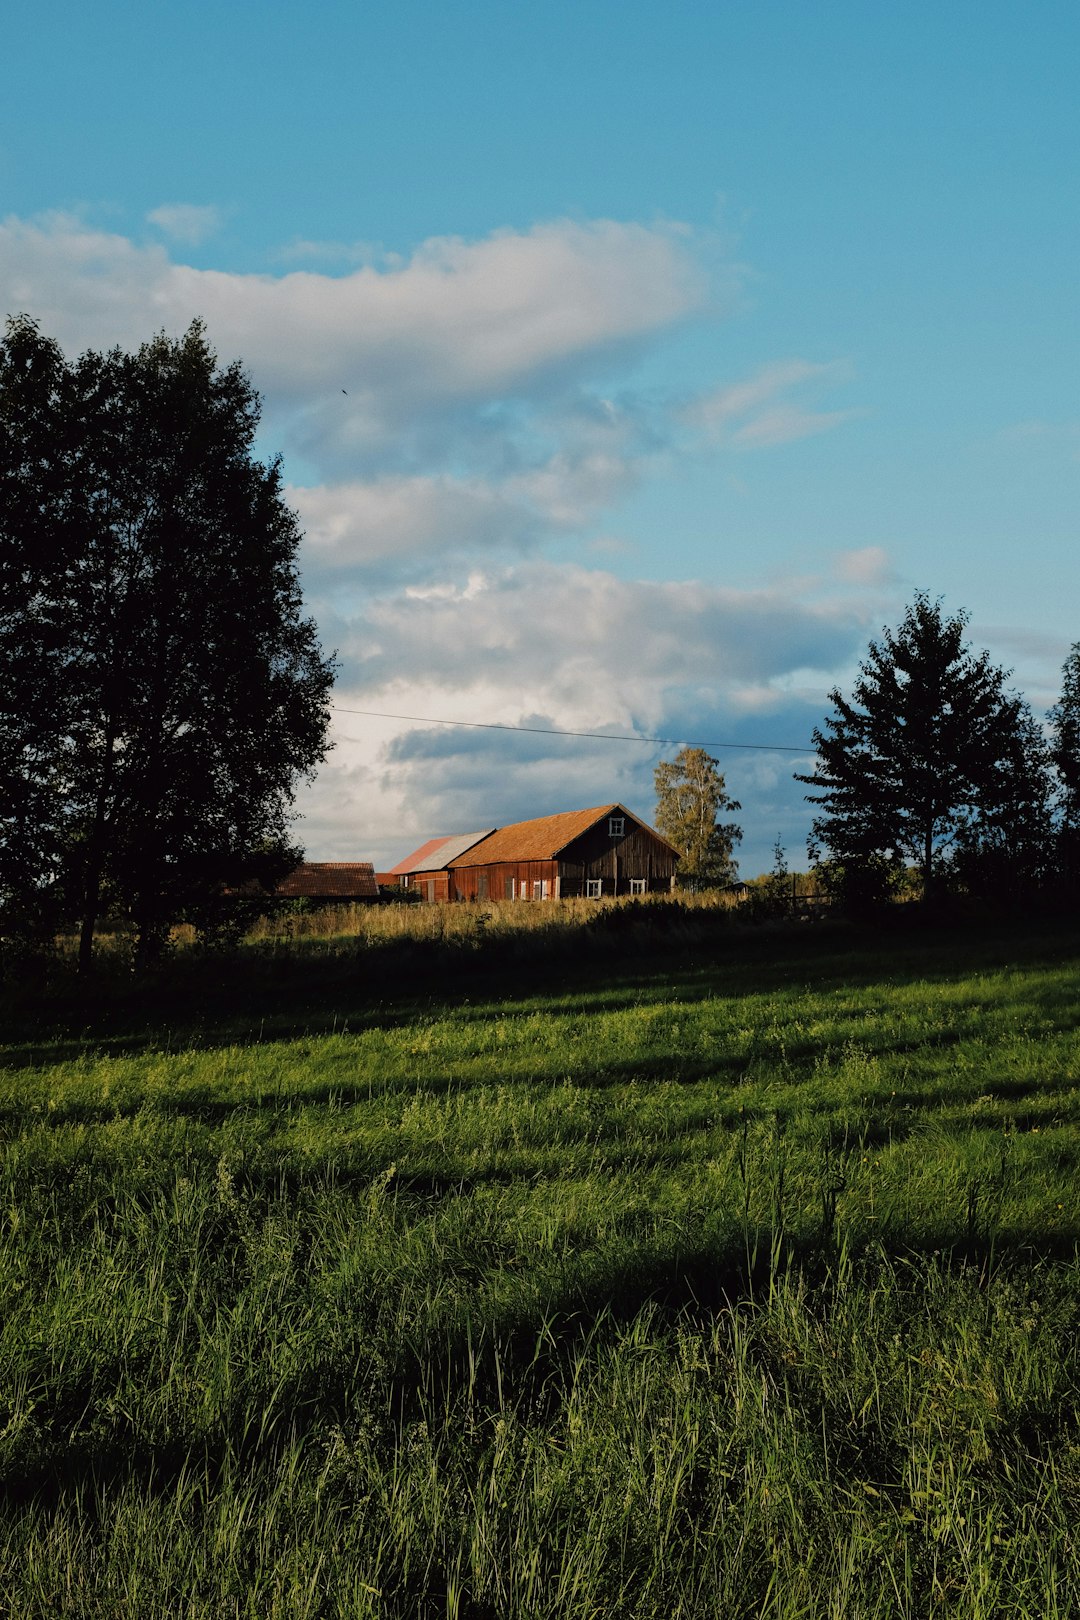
[738,400]
[187,223]
[400,520]
[574,648]
[460,321]
[452,413]
[755,413]
[392,524]
[593,645]
[868,565]
[785,425]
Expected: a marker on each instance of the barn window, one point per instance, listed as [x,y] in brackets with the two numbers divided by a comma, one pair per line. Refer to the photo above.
[481,885]
[508,889]
[538,891]
[637,885]
[594,888]
[616,826]
[429,889]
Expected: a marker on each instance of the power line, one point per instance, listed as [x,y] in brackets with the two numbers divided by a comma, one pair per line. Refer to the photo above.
[551,731]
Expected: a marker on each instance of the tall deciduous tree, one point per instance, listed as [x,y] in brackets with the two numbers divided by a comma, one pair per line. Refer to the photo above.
[39,530]
[931,749]
[191,691]
[690,798]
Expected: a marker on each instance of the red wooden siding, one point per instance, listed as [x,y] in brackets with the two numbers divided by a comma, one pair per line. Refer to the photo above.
[592,855]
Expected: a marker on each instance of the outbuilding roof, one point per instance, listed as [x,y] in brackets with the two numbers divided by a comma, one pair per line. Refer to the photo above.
[330,880]
[437,853]
[539,840]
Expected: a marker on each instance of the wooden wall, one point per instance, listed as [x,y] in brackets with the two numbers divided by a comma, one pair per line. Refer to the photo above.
[639,855]
[491,882]
[430,885]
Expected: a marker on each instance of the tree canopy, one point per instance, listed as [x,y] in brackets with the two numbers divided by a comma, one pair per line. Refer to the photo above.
[168,692]
[932,761]
[1064,752]
[690,797]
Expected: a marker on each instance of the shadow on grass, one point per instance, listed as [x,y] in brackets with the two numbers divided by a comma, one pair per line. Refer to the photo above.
[470,1362]
[257,995]
[867,1119]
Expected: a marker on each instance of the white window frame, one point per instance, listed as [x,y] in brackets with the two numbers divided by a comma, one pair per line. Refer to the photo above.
[637,885]
[538,890]
[594,888]
[616,826]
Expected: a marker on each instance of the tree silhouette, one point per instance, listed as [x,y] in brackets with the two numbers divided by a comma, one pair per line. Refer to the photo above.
[153,560]
[1064,720]
[929,750]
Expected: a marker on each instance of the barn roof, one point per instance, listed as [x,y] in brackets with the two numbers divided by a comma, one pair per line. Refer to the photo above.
[438,852]
[542,839]
[324,880]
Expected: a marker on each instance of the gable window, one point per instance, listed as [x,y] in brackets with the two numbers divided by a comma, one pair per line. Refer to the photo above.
[616,826]
[637,885]
[594,888]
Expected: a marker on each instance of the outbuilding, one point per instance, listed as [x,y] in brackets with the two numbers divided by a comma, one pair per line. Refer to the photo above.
[426,872]
[588,853]
[330,882]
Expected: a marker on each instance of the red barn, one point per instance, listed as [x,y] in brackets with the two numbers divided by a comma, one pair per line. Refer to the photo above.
[425,870]
[585,853]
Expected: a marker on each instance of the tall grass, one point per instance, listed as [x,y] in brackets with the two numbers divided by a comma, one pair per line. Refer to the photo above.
[692,1286]
[418,920]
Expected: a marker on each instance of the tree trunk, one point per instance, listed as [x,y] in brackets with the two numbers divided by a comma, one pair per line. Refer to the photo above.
[95,858]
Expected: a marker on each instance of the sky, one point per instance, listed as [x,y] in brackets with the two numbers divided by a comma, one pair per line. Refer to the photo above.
[631,366]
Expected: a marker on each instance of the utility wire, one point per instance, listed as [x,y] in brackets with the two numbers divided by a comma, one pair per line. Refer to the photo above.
[551,731]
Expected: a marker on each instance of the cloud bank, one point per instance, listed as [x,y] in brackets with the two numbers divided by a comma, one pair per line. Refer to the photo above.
[456,424]
[459,321]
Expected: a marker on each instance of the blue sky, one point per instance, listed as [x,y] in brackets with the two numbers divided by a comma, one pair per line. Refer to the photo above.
[680,346]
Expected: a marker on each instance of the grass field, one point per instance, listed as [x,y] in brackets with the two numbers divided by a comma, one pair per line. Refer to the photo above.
[655,1268]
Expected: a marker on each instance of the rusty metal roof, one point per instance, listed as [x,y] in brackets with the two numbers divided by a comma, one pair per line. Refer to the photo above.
[542,839]
[330,880]
[437,853]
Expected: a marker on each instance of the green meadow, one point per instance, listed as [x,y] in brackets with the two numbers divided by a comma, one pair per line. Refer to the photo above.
[653,1267]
